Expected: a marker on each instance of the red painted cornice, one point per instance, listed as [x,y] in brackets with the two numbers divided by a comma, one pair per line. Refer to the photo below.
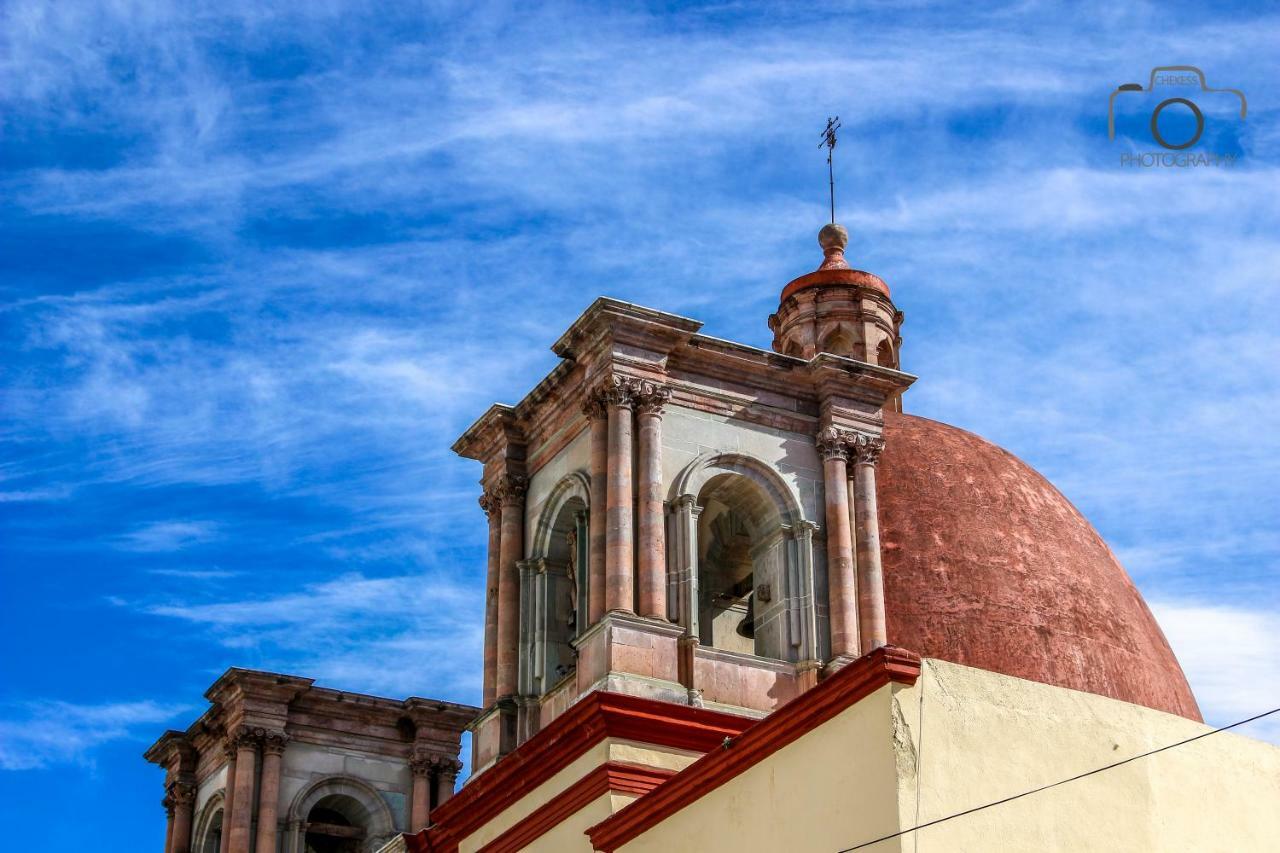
[614,776]
[841,690]
[593,718]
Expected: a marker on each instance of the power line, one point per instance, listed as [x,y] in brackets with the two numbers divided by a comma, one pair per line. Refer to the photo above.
[1056,784]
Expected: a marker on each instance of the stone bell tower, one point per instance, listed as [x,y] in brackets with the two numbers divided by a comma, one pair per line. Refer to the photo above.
[680,518]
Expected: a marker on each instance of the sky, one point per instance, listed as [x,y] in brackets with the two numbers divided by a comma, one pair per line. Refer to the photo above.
[260,264]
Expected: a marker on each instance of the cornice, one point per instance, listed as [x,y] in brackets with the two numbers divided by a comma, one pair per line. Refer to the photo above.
[612,776]
[596,716]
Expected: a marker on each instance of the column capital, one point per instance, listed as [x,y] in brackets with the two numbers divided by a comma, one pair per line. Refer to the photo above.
[650,397]
[422,763]
[490,503]
[593,406]
[273,742]
[179,794]
[446,767]
[511,489]
[867,451]
[168,805]
[245,737]
[616,390]
[835,443]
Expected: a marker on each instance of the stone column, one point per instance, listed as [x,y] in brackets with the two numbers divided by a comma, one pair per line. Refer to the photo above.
[619,543]
[594,409]
[652,547]
[167,805]
[420,799]
[493,510]
[183,797]
[228,797]
[833,445]
[273,744]
[446,772]
[871,613]
[511,494]
[246,746]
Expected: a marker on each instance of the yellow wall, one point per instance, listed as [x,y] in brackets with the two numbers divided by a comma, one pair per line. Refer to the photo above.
[985,737]
[802,798]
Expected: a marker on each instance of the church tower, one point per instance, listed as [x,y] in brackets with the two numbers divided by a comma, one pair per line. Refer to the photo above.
[678,517]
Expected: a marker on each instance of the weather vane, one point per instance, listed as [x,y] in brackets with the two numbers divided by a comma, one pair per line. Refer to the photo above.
[829,140]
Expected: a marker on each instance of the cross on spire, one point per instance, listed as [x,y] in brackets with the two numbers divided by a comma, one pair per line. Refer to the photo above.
[829,140]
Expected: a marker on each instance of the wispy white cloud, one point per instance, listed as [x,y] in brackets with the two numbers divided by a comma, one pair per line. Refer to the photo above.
[36,735]
[169,536]
[1231,656]
[397,636]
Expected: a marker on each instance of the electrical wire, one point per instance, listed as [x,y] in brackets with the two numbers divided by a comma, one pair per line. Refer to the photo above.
[1056,784]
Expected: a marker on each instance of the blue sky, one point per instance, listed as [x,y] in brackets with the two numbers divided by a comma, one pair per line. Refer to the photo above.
[260,264]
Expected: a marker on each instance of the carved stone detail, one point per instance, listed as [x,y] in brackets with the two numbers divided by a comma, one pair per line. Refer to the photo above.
[618,390]
[511,489]
[246,737]
[594,406]
[422,763]
[274,742]
[868,449]
[490,503]
[835,443]
[650,397]
[180,794]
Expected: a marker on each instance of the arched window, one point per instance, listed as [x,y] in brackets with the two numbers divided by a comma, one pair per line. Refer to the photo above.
[553,588]
[742,560]
[208,834]
[335,825]
[884,354]
[340,815]
[841,342]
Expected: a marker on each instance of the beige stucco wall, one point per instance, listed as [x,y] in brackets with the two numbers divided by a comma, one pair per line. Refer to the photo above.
[609,749]
[801,797]
[986,737]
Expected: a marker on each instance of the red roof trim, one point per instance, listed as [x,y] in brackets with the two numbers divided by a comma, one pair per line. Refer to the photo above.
[801,715]
[593,718]
[613,776]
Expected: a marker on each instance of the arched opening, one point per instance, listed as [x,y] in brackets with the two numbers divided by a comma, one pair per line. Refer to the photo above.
[339,815]
[740,568]
[884,354]
[794,349]
[336,824]
[840,342]
[210,839]
[565,612]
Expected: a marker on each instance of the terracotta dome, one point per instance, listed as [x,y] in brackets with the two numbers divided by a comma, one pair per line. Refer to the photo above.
[986,564]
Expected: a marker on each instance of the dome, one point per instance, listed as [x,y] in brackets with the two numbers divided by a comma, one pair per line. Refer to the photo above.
[986,564]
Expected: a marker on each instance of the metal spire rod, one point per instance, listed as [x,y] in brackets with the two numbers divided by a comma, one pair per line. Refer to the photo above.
[829,140]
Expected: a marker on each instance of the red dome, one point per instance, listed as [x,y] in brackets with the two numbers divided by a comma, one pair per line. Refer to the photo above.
[986,564]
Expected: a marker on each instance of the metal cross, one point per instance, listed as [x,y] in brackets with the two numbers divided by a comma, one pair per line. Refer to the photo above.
[829,140]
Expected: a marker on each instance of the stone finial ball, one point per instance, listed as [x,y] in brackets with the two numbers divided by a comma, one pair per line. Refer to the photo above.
[833,237]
